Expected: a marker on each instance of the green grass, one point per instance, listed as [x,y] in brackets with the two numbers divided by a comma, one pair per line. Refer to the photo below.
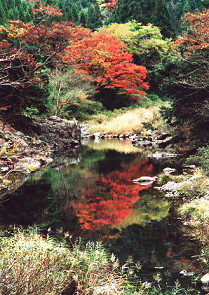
[200,159]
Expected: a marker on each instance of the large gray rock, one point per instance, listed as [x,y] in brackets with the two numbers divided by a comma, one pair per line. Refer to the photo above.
[60,134]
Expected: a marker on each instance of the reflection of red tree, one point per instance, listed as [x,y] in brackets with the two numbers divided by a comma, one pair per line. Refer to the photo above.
[110,202]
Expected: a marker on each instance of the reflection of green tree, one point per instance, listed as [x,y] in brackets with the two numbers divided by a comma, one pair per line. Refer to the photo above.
[160,243]
[147,209]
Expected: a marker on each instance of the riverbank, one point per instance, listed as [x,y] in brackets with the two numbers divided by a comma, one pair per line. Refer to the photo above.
[191,186]
[29,145]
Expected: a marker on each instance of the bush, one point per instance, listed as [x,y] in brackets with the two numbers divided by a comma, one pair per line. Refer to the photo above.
[196,186]
[69,95]
[201,158]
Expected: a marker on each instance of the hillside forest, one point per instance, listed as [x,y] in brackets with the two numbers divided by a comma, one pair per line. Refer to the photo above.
[80,58]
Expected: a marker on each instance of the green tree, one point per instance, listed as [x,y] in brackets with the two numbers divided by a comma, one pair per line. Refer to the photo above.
[11,15]
[94,18]
[74,13]
[146,43]
[185,78]
[162,18]
[3,17]
[5,5]
[97,15]
[82,18]
[144,11]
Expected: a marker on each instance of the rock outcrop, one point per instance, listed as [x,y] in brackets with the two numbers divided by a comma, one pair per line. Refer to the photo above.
[61,135]
[32,148]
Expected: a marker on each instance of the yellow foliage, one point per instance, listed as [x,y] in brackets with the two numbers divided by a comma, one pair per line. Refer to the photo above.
[144,41]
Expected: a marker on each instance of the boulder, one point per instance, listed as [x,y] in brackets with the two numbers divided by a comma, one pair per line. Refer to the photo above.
[189,169]
[61,135]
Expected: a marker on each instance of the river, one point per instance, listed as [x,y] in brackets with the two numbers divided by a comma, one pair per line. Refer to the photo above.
[94,197]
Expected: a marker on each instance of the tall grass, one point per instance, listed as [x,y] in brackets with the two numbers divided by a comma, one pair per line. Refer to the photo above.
[37,265]
[31,264]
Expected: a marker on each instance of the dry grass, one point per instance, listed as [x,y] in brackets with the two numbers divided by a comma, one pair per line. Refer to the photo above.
[197,212]
[132,121]
[31,264]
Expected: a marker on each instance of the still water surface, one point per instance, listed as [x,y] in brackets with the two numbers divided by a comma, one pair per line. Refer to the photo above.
[94,197]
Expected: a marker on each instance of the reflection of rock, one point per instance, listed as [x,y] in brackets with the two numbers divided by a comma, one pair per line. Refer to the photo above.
[186,273]
[169,170]
[205,281]
[162,154]
[145,180]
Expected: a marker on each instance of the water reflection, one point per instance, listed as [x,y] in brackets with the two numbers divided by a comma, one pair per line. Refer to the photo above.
[95,198]
[108,200]
[94,194]
[149,207]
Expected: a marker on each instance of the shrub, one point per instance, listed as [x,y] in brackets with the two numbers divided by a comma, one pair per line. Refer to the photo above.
[196,186]
[31,265]
[201,158]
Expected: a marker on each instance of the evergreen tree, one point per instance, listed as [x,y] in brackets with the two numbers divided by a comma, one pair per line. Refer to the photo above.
[69,14]
[90,17]
[11,14]
[144,11]
[3,17]
[82,18]
[16,13]
[62,8]
[5,5]
[22,15]
[162,19]
[94,18]
[74,13]
[28,17]
[97,15]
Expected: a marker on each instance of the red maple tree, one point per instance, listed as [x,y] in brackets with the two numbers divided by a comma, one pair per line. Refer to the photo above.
[104,57]
[28,48]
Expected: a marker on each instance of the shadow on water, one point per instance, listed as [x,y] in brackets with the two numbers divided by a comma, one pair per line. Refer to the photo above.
[95,198]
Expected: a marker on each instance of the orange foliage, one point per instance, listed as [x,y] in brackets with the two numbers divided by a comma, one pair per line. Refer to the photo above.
[196,31]
[30,46]
[111,4]
[46,9]
[111,201]
[105,57]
